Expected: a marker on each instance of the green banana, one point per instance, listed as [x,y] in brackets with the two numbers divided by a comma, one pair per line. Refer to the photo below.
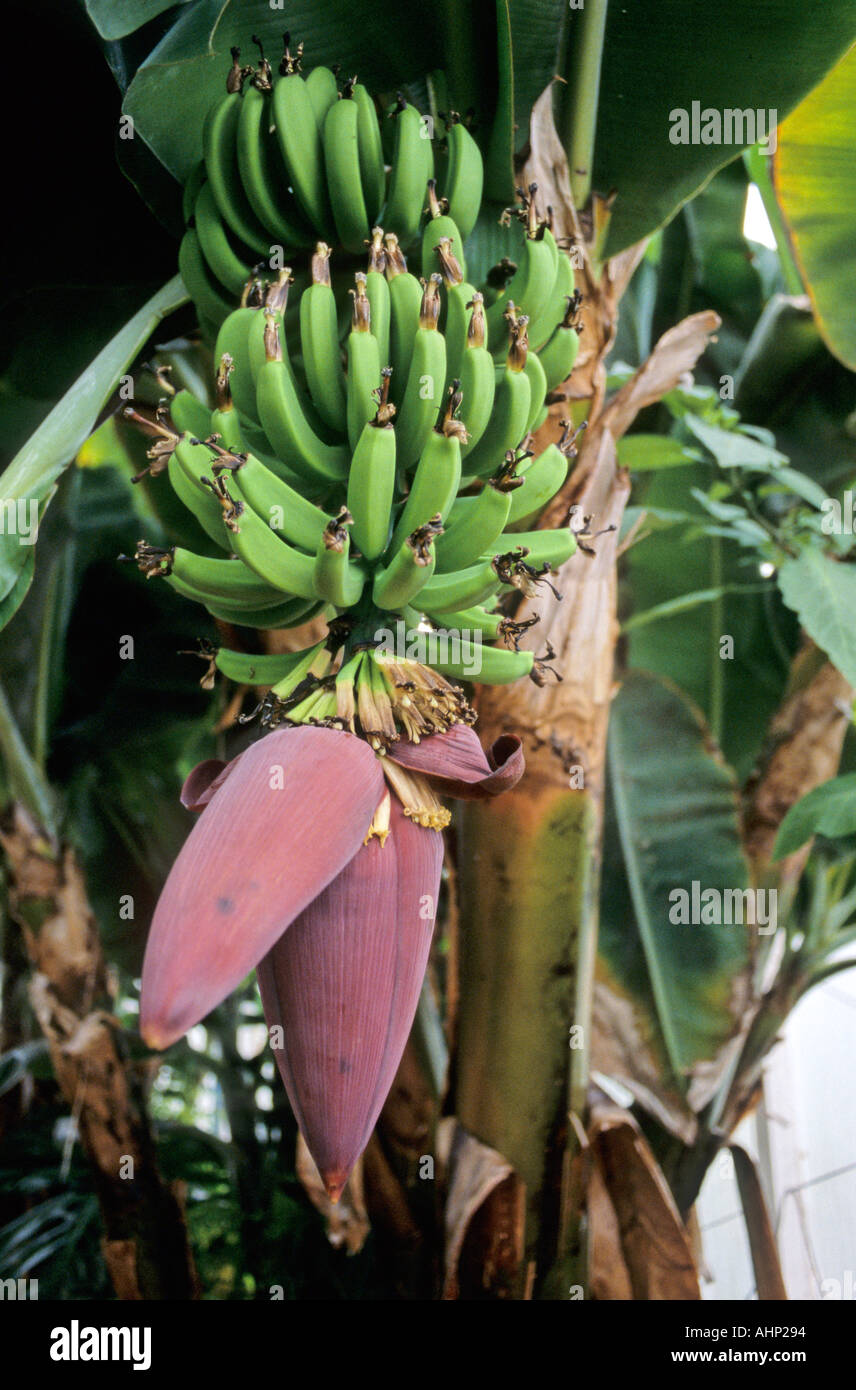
[493,665]
[560,354]
[322,92]
[263,551]
[477,378]
[229,581]
[319,341]
[224,262]
[530,287]
[284,421]
[460,301]
[377,289]
[474,524]
[205,509]
[409,570]
[337,579]
[425,381]
[232,342]
[371,480]
[473,620]
[342,163]
[412,167]
[439,227]
[537,381]
[314,661]
[189,415]
[405,303]
[257,443]
[435,482]
[261,168]
[463,589]
[188,463]
[276,303]
[542,327]
[224,417]
[239,436]
[248,668]
[195,459]
[219,142]
[206,581]
[507,425]
[280,506]
[184,476]
[299,138]
[195,180]
[292,612]
[541,480]
[372,171]
[464,179]
[207,294]
[364,364]
[544,547]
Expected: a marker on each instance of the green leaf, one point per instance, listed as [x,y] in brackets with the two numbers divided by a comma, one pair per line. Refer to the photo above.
[33,658]
[732,448]
[115,21]
[685,602]
[539,33]
[647,451]
[463,51]
[815,180]
[827,810]
[25,781]
[499,154]
[11,601]
[672,821]
[387,45]
[739,694]
[794,481]
[731,55]
[35,468]
[822,593]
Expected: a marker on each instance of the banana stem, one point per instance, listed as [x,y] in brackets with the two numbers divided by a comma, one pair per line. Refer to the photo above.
[717,618]
[583,91]
[25,780]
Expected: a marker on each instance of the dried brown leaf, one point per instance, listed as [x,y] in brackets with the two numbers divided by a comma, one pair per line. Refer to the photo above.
[655,1246]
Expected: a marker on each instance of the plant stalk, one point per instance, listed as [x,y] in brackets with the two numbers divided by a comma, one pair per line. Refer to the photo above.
[581,103]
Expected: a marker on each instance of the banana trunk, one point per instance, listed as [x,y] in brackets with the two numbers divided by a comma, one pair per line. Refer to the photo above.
[528,926]
[529,884]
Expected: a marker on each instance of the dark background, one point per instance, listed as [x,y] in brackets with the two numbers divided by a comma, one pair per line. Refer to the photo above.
[82,250]
[69,207]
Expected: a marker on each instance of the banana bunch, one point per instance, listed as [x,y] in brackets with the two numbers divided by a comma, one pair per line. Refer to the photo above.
[288,159]
[366,455]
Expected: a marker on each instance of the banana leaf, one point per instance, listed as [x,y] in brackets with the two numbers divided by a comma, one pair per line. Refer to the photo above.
[659,58]
[670,997]
[815,180]
[35,468]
